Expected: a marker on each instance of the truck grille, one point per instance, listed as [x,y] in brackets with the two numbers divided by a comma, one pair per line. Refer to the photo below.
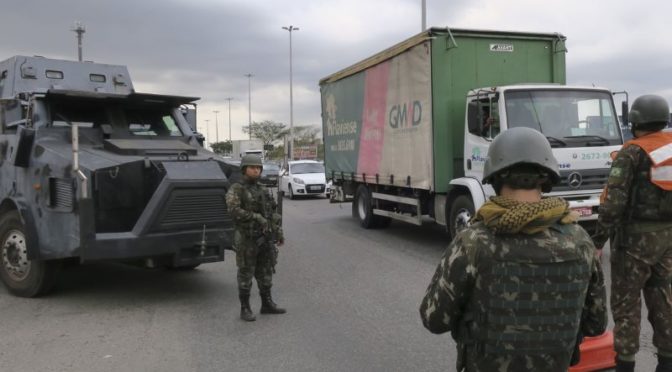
[61,193]
[195,207]
[584,179]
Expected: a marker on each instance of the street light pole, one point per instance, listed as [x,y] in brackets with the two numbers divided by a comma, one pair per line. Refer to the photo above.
[229,99]
[207,128]
[249,102]
[79,30]
[291,93]
[216,125]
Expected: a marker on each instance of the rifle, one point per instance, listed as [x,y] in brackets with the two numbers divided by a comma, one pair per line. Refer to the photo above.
[269,237]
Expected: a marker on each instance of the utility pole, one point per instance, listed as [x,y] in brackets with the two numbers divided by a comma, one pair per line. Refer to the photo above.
[249,102]
[79,30]
[229,99]
[291,93]
[424,15]
[216,125]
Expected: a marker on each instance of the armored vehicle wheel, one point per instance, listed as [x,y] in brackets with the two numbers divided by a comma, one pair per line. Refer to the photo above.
[22,277]
[291,193]
[461,211]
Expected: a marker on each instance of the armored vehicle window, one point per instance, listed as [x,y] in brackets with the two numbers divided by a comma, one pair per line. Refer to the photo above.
[144,122]
[86,114]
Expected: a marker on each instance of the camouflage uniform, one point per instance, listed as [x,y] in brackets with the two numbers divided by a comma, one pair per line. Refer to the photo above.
[517,302]
[634,215]
[254,210]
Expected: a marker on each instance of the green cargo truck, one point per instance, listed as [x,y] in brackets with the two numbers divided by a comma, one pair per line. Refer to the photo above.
[407,131]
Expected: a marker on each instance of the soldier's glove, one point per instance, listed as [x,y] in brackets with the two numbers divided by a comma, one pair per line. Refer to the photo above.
[263,223]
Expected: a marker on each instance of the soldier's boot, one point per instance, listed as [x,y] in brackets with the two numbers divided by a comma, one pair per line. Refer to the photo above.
[624,365]
[664,364]
[267,304]
[246,313]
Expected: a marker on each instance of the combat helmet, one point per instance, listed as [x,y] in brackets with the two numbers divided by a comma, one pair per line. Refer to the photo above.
[649,112]
[521,148]
[250,160]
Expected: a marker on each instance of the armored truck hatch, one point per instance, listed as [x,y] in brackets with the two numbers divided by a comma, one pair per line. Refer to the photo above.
[92,170]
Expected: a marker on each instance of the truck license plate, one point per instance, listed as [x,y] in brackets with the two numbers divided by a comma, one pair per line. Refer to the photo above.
[584,211]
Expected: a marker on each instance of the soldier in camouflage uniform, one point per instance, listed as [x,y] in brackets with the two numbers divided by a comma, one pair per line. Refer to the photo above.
[522,284]
[637,216]
[258,233]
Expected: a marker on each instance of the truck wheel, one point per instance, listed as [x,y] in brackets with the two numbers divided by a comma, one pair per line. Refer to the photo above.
[22,277]
[291,192]
[363,211]
[461,211]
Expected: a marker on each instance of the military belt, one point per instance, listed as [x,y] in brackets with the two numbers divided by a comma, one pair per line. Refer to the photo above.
[526,305]
[508,350]
[533,320]
[531,336]
[550,270]
[537,287]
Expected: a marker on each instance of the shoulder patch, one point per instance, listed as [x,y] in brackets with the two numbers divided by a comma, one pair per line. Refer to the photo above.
[616,172]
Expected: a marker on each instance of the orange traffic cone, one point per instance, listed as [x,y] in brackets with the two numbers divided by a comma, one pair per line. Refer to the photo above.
[596,353]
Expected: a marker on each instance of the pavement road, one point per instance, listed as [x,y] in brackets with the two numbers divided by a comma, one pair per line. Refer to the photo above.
[352,297]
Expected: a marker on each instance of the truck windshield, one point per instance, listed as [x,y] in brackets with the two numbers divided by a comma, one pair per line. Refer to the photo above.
[123,119]
[568,118]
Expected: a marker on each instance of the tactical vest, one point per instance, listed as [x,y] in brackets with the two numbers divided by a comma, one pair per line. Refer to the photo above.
[253,198]
[528,304]
[652,181]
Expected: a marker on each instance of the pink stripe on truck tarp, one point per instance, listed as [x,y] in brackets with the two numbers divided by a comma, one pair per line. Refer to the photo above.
[373,120]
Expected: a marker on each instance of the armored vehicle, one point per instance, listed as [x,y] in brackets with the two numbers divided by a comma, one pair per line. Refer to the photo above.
[90,170]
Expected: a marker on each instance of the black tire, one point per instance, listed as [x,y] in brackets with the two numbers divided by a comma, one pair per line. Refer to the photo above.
[362,210]
[460,212]
[21,276]
[290,192]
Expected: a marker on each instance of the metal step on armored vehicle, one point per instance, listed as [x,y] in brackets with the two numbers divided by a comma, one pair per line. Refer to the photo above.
[90,170]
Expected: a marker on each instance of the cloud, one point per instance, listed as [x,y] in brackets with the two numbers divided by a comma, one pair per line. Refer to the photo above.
[204,47]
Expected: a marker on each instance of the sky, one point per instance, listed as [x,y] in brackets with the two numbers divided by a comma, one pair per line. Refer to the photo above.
[204,48]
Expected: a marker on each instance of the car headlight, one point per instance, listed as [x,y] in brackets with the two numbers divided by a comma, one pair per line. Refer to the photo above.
[298,180]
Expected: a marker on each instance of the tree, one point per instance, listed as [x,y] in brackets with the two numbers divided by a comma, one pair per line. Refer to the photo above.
[303,134]
[221,148]
[267,131]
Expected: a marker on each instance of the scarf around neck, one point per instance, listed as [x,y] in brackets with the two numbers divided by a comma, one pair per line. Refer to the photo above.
[508,216]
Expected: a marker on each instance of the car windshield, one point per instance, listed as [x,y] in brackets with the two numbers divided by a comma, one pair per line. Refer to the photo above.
[270,169]
[569,118]
[306,168]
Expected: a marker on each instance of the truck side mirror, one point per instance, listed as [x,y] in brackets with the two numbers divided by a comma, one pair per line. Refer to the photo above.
[624,112]
[474,120]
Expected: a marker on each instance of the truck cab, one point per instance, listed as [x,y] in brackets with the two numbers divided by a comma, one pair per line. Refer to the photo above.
[580,123]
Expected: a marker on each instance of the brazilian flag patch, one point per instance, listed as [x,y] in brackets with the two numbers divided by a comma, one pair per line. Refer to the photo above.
[616,172]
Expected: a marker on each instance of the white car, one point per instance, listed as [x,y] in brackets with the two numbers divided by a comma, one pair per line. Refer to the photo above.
[304,177]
